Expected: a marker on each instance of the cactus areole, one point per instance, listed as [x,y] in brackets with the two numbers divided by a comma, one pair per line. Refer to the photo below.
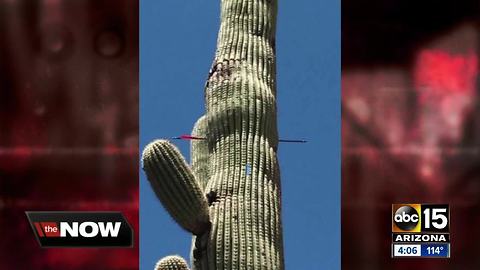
[229,196]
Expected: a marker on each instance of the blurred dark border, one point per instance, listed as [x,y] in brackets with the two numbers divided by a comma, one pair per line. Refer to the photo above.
[68,123]
[410,125]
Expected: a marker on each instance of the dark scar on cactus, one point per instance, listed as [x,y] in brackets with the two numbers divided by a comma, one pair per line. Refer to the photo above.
[223,68]
[211,197]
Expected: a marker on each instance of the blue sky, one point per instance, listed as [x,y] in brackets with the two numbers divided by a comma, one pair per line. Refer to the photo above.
[177,44]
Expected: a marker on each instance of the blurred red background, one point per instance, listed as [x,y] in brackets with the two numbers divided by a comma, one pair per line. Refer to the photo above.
[410,125]
[68,123]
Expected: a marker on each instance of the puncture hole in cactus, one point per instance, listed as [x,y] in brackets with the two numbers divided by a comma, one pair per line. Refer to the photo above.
[211,197]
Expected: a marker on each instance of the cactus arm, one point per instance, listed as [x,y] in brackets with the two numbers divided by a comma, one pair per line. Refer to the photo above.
[175,186]
[172,263]
[200,157]
[199,153]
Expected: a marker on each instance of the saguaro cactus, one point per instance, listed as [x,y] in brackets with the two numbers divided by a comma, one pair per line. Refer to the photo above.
[229,198]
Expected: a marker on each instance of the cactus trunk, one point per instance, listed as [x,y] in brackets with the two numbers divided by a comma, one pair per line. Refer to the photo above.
[241,113]
[236,167]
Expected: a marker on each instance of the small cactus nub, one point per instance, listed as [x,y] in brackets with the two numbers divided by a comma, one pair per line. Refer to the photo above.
[172,263]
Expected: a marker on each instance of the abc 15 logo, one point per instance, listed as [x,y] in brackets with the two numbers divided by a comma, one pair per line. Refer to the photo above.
[420,218]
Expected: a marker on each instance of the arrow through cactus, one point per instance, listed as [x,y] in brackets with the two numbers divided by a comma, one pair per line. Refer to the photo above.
[234,213]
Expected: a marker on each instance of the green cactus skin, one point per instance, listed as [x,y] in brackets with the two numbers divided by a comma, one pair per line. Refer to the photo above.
[172,263]
[236,166]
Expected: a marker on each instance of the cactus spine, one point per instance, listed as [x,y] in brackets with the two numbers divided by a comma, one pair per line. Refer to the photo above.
[236,167]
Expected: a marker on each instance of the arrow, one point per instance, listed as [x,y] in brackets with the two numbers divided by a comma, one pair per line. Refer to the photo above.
[187,137]
[293,141]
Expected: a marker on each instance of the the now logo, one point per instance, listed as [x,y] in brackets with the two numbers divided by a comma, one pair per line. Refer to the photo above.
[90,229]
[81,229]
[74,229]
